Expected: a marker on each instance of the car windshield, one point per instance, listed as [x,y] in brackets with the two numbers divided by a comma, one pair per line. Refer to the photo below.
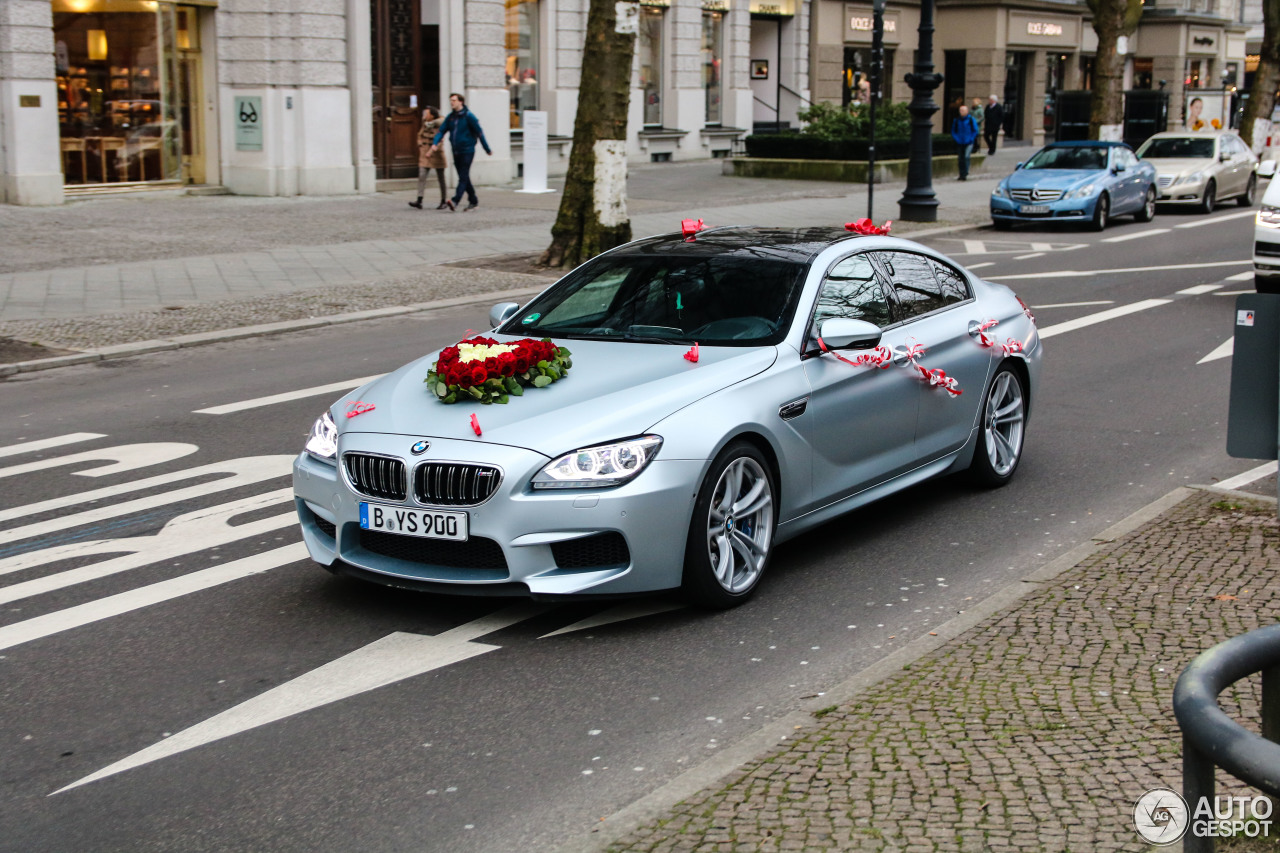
[1069,157]
[728,299]
[1178,147]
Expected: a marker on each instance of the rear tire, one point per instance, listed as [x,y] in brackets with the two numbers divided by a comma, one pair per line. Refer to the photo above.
[1250,191]
[1148,210]
[731,532]
[1101,211]
[1210,197]
[1001,430]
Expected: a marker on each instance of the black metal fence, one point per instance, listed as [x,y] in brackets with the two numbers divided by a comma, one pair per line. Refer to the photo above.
[1146,112]
[1212,739]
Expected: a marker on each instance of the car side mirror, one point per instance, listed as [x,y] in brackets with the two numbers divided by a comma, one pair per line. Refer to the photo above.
[502,312]
[1017,167]
[1224,156]
[1118,168]
[844,333]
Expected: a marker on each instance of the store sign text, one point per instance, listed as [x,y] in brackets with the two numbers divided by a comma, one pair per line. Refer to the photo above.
[1043,28]
[865,25]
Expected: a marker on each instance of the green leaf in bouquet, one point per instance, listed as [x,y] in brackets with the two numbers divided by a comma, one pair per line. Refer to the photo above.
[452,398]
[516,390]
[542,364]
[553,373]
[486,400]
[475,392]
[441,389]
[503,399]
[542,381]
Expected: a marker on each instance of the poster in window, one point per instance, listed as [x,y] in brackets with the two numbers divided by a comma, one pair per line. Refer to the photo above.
[759,69]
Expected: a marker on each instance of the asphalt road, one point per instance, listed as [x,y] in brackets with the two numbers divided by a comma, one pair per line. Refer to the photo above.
[189,642]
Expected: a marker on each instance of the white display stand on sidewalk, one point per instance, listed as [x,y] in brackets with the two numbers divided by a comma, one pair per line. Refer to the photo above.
[534,123]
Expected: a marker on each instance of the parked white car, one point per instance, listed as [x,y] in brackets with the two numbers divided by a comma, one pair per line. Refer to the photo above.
[1202,169]
[1266,242]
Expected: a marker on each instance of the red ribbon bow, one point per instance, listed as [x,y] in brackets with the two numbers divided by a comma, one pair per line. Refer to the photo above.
[939,379]
[690,227]
[1011,346]
[475,425]
[692,354]
[879,357]
[868,228]
[359,407]
[983,338]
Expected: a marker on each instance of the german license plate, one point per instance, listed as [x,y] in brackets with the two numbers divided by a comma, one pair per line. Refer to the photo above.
[1034,208]
[423,523]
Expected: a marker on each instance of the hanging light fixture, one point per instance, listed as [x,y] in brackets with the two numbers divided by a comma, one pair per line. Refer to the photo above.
[97,45]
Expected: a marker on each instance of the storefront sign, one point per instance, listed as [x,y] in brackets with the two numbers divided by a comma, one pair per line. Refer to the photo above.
[664,4]
[1043,28]
[859,23]
[715,5]
[28,100]
[1202,40]
[248,119]
[778,7]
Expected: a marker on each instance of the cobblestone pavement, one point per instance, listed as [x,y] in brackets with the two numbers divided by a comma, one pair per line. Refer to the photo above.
[1035,730]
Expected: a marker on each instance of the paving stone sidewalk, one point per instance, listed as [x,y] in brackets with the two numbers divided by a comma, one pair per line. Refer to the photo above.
[1035,730]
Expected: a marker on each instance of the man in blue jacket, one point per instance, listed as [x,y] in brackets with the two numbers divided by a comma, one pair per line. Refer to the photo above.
[464,129]
[964,130]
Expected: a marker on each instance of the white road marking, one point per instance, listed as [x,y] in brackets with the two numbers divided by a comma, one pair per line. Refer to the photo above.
[1216,219]
[1226,350]
[1240,276]
[1234,292]
[47,443]
[981,265]
[393,658]
[1124,238]
[287,397]
[1199,289]
[1075,304]
[231,474]
[127,457]
[1266,469]
[974,247]
[621,613]
[124,602]
[186,534]
[1102,317]
[1078,273]
[1029,257]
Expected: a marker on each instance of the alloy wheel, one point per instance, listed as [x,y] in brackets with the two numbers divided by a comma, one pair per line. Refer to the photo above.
[1005,415]
[740,524]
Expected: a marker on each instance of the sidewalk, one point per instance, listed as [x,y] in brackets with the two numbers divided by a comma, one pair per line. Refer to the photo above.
[1032,723]
[169,266]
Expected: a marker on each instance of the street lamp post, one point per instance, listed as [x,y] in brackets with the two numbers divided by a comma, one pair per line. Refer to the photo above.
[918,202]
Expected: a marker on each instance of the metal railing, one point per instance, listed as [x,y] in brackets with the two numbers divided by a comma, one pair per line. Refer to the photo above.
[1212,739]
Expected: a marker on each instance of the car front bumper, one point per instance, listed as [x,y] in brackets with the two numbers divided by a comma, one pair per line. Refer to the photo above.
[1192,193]
[615,541]
[1063,210]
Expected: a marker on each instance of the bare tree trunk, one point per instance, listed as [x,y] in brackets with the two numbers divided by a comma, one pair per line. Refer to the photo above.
[1262,97]
[593,211]
[1112,19]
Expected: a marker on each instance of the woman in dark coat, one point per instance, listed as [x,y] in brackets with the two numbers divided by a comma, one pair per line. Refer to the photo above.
[429,158]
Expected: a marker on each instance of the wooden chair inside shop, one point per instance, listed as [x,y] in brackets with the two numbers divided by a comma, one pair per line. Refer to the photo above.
[114,144]
[71,147]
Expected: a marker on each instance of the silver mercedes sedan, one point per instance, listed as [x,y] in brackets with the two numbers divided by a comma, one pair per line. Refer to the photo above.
[668,413]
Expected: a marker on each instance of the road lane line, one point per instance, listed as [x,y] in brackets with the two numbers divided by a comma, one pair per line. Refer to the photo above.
[287,397]
[46,443]
[1240,276]
[1077,273]
[1075,304]
[621,613]
[1234,292]
[1199,289]
[1266,469]
[1224,351]
[1102,317]
[121,603]
[975,247]
[393,658]
[1029,257]
[980,266]
[1216,219]
[125,457]
[1122,238]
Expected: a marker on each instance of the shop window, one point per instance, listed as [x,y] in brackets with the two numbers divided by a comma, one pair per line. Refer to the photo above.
[117,71]
[712,60]
[522,56]
[1199,74]
[856,84]
[649,45]
[1086,72]
[1054,78]
[1143,73]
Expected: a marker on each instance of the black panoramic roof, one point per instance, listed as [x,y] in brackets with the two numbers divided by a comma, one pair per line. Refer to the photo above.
[787,244]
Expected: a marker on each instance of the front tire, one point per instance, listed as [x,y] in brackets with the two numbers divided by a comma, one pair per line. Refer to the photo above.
[1250,191]
[1002,428]
[1210,197]
[731,532]
[1148,210]
[1101,211]
[1002,224]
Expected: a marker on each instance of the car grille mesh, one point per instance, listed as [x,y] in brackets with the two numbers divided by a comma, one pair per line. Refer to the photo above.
[597,550]
[1270,250]
[476,553]
[376,476]
[454,483]
[1035,195]
[1165,181]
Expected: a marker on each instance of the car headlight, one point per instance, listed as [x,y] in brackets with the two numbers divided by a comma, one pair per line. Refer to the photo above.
[1269,216]
[599,466]
[1189,179]
[323,441]
[1000,191]
[1081,192]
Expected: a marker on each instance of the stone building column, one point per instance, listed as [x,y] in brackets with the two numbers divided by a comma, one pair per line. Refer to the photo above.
[30,144]
[484,63]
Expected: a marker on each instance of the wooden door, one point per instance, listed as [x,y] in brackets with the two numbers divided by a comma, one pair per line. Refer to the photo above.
[396,33]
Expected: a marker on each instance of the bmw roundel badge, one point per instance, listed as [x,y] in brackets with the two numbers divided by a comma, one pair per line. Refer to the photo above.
[419,448]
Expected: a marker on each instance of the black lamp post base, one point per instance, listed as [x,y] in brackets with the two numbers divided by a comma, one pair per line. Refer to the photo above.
[922,208]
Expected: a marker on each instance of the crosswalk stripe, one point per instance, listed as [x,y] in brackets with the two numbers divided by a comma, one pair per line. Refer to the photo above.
[1102,317]
[287,397]
[47,443]
[125,457]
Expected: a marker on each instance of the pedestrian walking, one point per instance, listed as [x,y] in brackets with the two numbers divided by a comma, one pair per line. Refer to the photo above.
[430,158]
[464,129]
[993,118]
[977,112]
[964,130]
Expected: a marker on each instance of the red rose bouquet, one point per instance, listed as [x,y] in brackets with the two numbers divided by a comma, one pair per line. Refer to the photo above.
[483,369]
